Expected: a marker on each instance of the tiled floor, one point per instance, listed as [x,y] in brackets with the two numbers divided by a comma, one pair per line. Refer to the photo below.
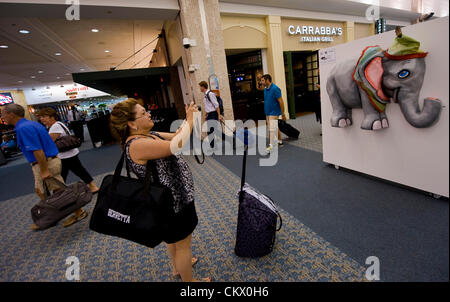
[310,132]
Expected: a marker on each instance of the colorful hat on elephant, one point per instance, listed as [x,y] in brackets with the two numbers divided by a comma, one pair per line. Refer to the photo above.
[405,48]
[368,74]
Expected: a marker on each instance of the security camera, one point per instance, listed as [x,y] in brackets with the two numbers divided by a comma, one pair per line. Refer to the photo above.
[188,43]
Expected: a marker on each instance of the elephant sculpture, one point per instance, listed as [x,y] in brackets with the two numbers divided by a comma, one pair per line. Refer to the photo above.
[376,79]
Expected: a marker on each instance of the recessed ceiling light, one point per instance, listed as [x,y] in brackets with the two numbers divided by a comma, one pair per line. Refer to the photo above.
[24,31]
[95,30]
[57,54]
[19,81]
[106,50]
[81,69]
[3,46]
[33,77]
[40,71]
[58,78]
[67,74]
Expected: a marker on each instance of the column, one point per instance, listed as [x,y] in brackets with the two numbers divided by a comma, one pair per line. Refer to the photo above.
[200,21]
[349,31]
[275,62]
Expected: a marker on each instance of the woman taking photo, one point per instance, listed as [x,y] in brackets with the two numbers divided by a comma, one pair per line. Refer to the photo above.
[132,124]
[69,159]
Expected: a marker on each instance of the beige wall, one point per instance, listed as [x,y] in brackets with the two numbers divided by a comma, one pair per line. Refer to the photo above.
[20,99]
[362,30]
[159,59]
[292,42]
[173,40]
[244,32]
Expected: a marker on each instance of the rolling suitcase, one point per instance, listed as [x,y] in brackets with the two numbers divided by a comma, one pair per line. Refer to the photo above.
[2,158]
[288,129]
[257,219]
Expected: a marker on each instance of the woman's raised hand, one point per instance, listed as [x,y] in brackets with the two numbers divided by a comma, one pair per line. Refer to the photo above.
[190,111]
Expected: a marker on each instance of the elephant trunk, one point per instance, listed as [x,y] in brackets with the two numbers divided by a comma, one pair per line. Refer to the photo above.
[409,104]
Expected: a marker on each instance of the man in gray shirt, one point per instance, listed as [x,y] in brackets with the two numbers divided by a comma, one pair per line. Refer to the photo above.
[212,109]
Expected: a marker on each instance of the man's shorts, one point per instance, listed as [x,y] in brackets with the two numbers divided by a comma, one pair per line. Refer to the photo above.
[273,126]
[54,166]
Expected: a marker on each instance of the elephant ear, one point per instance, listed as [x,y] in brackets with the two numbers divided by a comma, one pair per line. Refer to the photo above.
[374,74]
[368,74]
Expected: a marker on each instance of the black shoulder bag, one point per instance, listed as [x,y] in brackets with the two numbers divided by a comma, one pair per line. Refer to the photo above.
[133,209]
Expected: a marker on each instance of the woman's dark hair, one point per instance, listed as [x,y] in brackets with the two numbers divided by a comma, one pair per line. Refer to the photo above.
[48,112]
[121,114]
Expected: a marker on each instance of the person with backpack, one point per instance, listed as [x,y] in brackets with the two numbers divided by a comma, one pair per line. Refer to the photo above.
[213,106]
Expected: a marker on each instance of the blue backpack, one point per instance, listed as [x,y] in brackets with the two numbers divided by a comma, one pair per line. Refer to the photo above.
[219,100]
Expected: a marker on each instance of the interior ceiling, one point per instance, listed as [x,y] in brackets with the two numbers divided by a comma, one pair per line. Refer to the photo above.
[80,48]
[124,28]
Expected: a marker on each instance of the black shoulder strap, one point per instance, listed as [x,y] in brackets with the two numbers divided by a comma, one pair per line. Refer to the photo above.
[150,168]
[207,95]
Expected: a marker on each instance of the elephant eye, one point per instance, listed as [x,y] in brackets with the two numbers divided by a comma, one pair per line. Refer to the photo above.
[403,74]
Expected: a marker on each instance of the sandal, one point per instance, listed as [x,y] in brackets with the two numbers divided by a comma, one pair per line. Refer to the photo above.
[194,261]
[73,219]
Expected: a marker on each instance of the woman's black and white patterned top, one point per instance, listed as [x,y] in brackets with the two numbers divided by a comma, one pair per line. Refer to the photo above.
[173,172]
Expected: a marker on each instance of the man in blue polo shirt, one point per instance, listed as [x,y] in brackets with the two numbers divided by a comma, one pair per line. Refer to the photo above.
[37,147]
[273,108]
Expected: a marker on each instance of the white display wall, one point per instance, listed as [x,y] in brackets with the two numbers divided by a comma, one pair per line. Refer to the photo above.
[415,157]
[56,93]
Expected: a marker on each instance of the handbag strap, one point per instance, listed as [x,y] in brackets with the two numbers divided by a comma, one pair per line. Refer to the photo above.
[65,128]
[150,169]
[47,190]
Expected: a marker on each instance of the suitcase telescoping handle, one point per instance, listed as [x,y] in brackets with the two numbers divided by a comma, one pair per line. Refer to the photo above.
[244,162]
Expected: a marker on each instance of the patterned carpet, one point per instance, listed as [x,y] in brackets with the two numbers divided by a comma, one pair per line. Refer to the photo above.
[299,253]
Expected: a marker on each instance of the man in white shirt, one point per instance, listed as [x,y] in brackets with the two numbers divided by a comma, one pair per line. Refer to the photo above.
[211,105]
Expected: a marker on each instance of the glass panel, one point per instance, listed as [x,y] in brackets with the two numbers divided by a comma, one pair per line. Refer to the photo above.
[308,66]
[310,87]
[308,59]
[315,65]
[310,81]
[316,72]
[310,73]
[316,80]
